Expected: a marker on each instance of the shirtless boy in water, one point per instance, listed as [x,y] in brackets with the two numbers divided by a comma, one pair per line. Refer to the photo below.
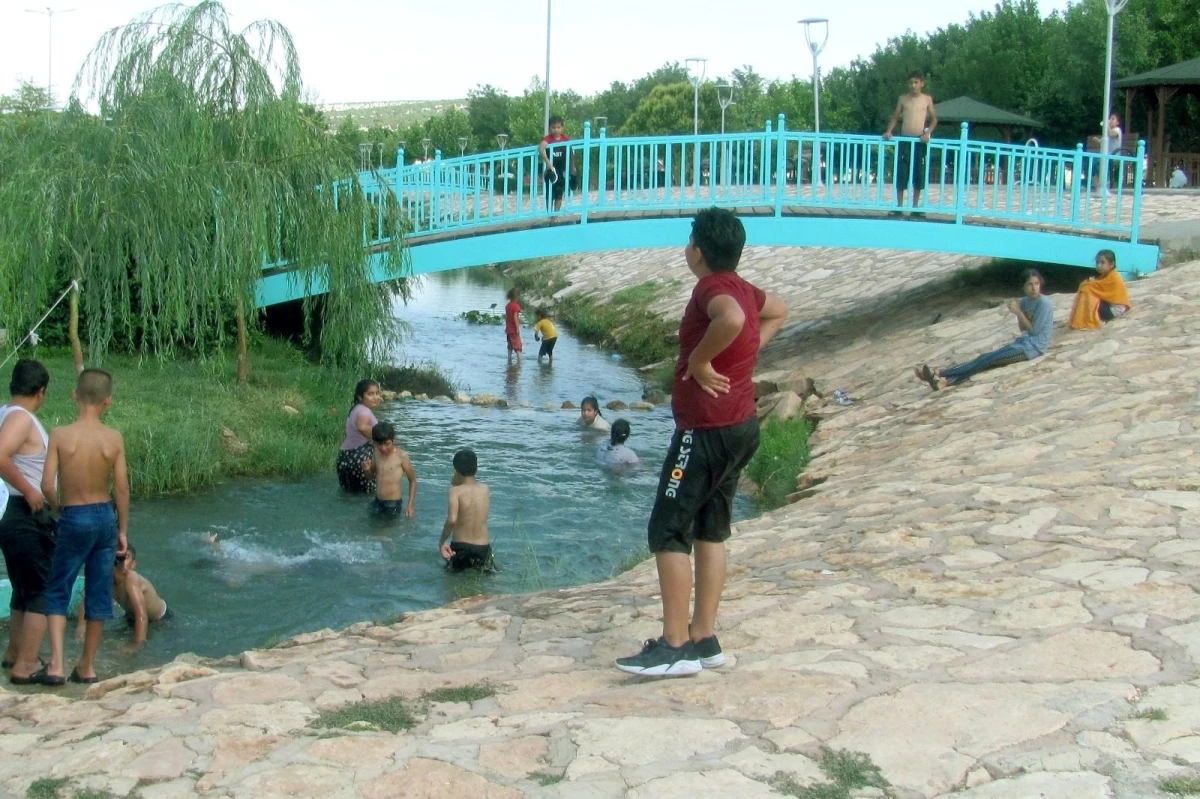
[136,595]
[464,542]
[919,121]
[87,459]
[389,465]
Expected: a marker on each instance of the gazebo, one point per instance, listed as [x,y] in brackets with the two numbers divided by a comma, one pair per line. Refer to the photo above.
[965,109]
[1166,82]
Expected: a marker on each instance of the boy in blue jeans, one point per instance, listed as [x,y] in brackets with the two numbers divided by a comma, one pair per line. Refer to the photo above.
[87,461]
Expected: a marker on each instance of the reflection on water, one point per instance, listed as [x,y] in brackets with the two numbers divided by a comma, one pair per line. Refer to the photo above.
[292,557]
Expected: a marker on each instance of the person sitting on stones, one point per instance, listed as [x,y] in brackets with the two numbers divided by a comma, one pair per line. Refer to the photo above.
[1035,319]
[1100,299]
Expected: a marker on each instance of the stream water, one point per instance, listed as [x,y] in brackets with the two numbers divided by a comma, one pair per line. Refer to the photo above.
[297,556]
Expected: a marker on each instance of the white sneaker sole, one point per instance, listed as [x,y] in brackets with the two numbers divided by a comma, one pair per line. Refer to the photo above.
[680,668]
[714,661]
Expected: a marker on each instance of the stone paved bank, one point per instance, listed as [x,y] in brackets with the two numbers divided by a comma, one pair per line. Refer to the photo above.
[988,588]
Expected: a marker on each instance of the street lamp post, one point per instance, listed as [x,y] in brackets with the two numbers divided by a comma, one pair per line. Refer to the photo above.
[502,140]
[696,66]
[724,99]
[364,155]
[599,123]
[1114,8]
[809,24]
[49,14]
[379,146]
[462,145]
[546,110]
[425,142]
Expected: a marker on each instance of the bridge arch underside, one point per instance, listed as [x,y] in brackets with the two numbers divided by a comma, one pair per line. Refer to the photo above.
[552,237]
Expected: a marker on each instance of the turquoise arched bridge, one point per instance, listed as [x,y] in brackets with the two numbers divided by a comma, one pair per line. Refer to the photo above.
[982,198]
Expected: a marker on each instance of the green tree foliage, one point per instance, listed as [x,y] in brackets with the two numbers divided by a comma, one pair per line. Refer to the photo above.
[202,164]
[487,111]
[1009,55]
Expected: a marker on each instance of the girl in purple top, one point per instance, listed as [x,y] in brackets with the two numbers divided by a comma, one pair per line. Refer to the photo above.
[356,447]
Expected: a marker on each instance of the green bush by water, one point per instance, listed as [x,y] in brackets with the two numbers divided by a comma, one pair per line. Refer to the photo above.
[425,378]
[172,415]
[782,455]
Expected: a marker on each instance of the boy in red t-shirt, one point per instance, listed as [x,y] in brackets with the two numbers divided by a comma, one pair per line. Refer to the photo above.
[512,324]
[553,151]
[726,323]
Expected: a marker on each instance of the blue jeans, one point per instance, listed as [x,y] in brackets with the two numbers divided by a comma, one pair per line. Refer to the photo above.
[87,539]
[1006,355]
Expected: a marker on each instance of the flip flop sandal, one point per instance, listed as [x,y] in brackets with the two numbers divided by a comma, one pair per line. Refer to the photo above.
[30,679]
[929,377]
[85,680]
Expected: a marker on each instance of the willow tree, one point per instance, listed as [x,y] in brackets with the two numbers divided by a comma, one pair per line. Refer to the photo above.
[184,164]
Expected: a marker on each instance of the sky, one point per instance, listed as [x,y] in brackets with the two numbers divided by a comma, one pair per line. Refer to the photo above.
[363,50]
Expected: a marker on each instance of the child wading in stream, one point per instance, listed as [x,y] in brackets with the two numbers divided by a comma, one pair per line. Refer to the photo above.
[726,323]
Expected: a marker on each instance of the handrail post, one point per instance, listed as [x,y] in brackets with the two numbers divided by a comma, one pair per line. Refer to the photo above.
[586,181]
[602,178]
[435,183]
[767,160]
[962,168]
[1138,177]
[1076,181]
[780,166]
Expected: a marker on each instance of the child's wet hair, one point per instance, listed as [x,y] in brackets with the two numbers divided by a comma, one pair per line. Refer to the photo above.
[94,386]
[28,378]
[129,554]
[466,463]
[512,293]
[720,237]
[590,400]
[360,390]
[383,433]
[620,431]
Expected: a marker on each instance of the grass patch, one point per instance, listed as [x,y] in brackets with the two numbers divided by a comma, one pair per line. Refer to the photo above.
[93,793]
[631,560]
[1181,786]
[172,415]
[45,788]
[546,778]
[782,454]
[846,770]
[389,715]
[539,277]
[427,378]
[461,693]
[1151,714]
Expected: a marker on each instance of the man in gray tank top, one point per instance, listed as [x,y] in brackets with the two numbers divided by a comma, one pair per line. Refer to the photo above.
[26,530]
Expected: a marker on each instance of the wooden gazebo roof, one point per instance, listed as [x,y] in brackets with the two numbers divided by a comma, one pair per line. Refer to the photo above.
[1165,82]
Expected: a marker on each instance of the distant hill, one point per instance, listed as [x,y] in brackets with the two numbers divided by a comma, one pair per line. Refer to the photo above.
[388,113]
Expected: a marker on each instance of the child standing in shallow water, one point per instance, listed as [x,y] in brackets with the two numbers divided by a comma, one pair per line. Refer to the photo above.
[389,465]
[512,324]
[84,458]
[464,542]
[548,333]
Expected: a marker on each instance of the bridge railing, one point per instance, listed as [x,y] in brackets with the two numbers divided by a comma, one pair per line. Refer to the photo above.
[775,171]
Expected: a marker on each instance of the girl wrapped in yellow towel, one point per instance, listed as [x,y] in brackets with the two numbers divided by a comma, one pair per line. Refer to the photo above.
[1100,299]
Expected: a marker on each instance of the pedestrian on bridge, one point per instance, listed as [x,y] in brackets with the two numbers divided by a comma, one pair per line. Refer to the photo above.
[553,151]
[919,120]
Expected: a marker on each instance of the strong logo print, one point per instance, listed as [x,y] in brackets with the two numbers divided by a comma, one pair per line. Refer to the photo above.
[681,462]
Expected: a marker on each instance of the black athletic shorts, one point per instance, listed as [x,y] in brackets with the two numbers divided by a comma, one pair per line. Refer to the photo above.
[470,556]
[548,347]
[386,508]
[27,541]
[910,155]
[555,188]
[699,479]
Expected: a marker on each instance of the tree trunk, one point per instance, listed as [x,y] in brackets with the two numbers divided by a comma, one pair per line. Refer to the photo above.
[242,368]
[73,330]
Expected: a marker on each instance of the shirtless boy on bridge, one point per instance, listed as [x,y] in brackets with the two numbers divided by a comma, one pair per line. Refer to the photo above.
[919,121]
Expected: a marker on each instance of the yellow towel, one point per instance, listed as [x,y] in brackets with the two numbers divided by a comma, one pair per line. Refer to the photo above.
[1085,315]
